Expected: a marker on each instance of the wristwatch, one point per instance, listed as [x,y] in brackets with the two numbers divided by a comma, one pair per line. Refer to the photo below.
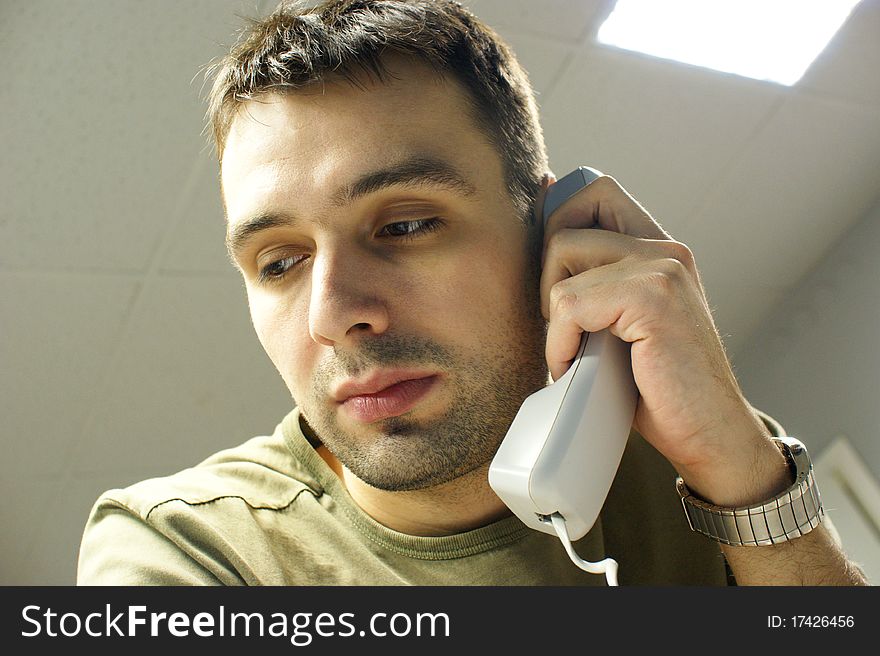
[789,515]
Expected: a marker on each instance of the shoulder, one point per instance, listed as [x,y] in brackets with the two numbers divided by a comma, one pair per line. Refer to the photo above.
[262,472]
[176,530]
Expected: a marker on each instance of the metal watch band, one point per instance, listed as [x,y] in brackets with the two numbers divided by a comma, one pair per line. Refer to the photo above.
[789,515]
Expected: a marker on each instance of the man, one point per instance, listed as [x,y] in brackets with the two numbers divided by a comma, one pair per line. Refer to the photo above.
[382,168]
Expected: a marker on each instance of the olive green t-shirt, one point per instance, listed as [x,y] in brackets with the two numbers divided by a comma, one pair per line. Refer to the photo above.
[271,512]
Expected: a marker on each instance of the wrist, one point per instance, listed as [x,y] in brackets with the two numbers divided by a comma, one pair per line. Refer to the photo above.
[745,472]
[791,513]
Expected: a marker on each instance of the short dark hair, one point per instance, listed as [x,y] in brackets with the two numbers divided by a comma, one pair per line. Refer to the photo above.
[299,44]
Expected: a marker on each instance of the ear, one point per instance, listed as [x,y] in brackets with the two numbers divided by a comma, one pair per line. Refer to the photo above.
[548,179]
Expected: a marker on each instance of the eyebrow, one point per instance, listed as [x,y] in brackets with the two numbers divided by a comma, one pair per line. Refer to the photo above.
[412,172]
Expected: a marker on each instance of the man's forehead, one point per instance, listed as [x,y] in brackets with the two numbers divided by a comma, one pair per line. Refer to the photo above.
[341,117]
[408,82]
[344,133]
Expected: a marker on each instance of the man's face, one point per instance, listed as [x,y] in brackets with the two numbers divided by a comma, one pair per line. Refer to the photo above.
[378,244]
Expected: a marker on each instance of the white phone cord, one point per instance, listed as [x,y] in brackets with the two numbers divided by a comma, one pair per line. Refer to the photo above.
[607,566]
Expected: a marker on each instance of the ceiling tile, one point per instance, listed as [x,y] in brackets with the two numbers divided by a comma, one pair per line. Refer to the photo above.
[810,174]
[665,131]
[848,68]
[22,514]
[739,309]
[813,343]
[196,241]
[192,379]
[542,59]
[59,336]
[52,556]
[562,20]
[106,125]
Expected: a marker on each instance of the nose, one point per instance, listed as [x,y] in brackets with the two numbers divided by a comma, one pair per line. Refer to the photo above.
[345,302]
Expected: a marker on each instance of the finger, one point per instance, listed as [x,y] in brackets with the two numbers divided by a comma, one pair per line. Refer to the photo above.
[585,303]
[571,252]
[607,205]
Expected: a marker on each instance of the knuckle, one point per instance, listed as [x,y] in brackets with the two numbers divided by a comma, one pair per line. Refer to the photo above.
[665,277]
[682,253]
[672,269]
[562,298]
[607,181]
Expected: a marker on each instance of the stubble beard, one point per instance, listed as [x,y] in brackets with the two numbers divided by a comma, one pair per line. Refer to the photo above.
[407,453]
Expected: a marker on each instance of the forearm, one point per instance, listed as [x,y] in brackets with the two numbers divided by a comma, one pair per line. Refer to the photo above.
[812,559]
[816,558]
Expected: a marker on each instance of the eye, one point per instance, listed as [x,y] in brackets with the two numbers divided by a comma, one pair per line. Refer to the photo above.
[409,229]
[275,271]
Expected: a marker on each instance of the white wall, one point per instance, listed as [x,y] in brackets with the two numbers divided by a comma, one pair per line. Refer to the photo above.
[815,363]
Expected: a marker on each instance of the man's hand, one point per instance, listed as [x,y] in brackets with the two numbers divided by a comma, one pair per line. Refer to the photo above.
[608,264]
[631,277]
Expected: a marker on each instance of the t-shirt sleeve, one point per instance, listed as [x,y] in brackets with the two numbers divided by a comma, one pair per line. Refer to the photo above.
[119,547]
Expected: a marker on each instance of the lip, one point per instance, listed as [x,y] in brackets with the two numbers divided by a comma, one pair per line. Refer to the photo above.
[384,394]
[377,381]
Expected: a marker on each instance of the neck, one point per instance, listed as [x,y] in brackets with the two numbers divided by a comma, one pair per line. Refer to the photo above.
[454,507]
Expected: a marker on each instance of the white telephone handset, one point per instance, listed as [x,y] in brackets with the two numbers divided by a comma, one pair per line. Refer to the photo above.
[556,465]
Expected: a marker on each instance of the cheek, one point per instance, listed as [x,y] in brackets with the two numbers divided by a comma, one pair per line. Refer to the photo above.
[282,329]
[484,295]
